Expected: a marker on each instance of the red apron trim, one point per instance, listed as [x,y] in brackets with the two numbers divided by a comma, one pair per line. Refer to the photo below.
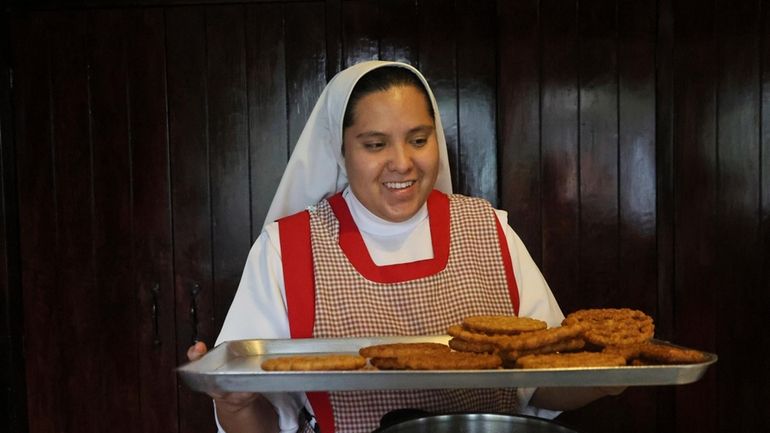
[299,281]
[513,288]
[353,246]
[297,261]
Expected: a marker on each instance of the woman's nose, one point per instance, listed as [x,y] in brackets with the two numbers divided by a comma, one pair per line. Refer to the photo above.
[401,158]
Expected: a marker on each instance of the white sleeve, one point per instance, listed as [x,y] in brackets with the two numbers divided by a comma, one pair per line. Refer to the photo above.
[535,300]
[258,311]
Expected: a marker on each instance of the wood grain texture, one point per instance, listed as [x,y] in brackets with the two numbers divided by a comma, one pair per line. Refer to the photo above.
[476,101]
[190,197]
[695,192]
[559,151]
[519,108]
[267,107]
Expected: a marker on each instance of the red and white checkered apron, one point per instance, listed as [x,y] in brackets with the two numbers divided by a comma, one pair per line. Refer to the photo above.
[349,305]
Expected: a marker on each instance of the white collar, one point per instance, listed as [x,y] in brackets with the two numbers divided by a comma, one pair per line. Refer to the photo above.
[371,224]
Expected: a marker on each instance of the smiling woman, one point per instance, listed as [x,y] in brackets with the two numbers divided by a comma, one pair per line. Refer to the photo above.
[391,153]
[369,240]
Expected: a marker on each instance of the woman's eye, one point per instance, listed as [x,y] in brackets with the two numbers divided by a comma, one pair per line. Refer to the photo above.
[419,142]
[374,146]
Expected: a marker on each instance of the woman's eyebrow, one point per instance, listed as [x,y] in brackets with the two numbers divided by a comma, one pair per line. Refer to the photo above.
[422,128]
[371,134]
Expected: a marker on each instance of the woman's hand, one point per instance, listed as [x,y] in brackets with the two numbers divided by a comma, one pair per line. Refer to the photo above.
[239,411]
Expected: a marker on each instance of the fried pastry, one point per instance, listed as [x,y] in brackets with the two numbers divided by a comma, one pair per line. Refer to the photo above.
[570,360]
[613,326]
[451,361]
[502,324]
[402,349]
[314,363]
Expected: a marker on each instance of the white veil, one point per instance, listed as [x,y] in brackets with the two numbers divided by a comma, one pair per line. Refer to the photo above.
[316,169]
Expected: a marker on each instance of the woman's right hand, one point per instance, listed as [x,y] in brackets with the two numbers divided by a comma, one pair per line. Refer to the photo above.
[239,411]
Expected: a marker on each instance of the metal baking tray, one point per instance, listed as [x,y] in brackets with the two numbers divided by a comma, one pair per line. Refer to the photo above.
[236,366]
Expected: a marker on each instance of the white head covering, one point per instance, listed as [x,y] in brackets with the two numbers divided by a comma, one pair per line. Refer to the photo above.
[316,169]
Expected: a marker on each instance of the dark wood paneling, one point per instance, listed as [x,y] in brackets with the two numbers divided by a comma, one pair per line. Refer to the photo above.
[191,197]
[559,154]
[695,192]
[305,62]
[360,31]
[518,102]
[738,220]
[108,311]
[228,151]
[439,66]
[12,383]
[151,205]
[598,154]
[399,42]
[38,237]
[268,128]
[762,293]
[476,101]
[636,186]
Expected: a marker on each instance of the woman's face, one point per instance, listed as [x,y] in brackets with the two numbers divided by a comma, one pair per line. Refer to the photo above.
[391,152]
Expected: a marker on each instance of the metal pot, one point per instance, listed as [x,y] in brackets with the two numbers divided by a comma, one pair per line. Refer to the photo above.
[469,423]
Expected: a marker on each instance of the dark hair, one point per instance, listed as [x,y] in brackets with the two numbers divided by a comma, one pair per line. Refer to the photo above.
[382,79]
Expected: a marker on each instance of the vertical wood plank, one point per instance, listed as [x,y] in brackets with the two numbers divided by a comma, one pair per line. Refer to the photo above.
[398,19]
[13,384]
[37,236]
[738,200]
[559,126]
[664,193]
[476,79]
[636,153]
[305,62]
[764,231]
[190,196]
[151,205]
[333,37]
[598,155]
[228,151]
[637,183]
[695,189]
[268,127]
[109,311]
[72,179]
[518,96]
[437,59]
[360,31]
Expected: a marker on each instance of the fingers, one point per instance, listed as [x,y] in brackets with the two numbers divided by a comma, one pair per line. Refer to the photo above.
[196,351]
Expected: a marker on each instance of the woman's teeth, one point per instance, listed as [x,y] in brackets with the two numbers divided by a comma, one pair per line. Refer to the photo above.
[399,185]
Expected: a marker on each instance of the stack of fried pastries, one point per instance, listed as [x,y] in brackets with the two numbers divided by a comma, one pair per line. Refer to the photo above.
[600,337]
[587,338]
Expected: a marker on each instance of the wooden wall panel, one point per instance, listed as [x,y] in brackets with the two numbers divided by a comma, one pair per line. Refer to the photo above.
[739,256]
[228,151]
[108,312]
[559,108]
[476,101]
[439,66]
[34,159]
[519,127]
[191,197]
[267,107]
[695,193]
[762,295]
[305,62]
[360,31]
[598,154]
[153,282]
[400,32]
